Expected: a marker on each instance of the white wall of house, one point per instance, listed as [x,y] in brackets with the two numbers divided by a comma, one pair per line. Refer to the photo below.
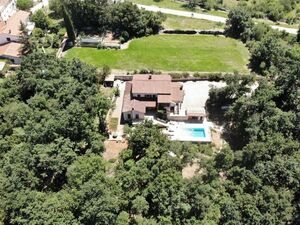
[5,38]
[133,115]
[9,10]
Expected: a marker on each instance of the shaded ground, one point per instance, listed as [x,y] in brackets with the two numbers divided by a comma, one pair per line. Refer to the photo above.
[191,170]
[216,139]
[113,149]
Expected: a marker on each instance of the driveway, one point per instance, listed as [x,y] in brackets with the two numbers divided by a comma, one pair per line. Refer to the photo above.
[183,13]
[202,16]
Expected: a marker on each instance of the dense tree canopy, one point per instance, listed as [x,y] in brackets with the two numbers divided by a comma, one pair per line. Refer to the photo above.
[239,23]
[125,19]
[51,113]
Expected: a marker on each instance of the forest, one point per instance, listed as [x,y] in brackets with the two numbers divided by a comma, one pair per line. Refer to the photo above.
[52,170]
[275,10]
[124,19]
[52,129]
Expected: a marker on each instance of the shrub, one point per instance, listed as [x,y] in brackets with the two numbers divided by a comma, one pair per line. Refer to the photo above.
[38,32]
[180,32]
[24,4]
[41,19]
[54,27]
[179,75]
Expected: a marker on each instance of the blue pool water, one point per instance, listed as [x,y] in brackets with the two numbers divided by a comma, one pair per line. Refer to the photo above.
[196,132]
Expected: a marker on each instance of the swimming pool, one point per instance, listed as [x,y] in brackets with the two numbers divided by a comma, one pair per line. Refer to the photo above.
[196,132]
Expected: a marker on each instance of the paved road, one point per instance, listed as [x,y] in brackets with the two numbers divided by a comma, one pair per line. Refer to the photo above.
[183,13]
[288,30]
[202,16]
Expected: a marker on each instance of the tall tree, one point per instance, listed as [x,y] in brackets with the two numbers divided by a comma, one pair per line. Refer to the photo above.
[298,35]
[69,24]
[239,23]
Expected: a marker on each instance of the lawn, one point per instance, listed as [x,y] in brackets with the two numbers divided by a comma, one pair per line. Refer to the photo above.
[171,4]
[179,22]
[171,53]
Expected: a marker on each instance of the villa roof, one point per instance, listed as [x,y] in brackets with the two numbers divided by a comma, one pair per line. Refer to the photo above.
[136,105]
[12,26]
[127,98]
[176,92]
[4,2]
[11,49]
[164,98]
[151,84]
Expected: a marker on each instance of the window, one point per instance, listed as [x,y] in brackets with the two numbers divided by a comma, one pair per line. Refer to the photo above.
[8,39]
[129,116]
[137,116]
[138,96]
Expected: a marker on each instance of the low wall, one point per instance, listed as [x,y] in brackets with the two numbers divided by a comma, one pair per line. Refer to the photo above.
[123,77]
[177,118]
[193,32]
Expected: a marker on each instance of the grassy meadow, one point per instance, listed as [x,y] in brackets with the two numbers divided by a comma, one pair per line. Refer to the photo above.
[171,53]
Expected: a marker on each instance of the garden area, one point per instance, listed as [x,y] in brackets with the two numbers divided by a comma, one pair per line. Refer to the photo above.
[171,53]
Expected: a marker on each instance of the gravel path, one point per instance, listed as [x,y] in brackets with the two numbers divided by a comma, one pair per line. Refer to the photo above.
[202,16]
[183,13]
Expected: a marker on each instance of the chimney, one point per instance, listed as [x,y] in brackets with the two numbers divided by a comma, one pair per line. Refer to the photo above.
[150,77]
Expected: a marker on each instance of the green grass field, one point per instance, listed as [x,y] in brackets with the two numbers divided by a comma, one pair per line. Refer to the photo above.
[171,53]
[179,22]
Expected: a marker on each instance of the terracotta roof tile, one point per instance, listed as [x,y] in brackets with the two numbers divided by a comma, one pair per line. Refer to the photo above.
[177,93]
[164,98]
[11,49]
[151,84]
[12,26]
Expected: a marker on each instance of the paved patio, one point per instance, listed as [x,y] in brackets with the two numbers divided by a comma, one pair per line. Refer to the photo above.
[196,94]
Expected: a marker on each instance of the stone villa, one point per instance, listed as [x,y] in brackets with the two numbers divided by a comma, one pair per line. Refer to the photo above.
[148,93]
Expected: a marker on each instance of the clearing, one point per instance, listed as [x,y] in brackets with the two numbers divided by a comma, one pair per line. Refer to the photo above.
[205,53]
[185,23]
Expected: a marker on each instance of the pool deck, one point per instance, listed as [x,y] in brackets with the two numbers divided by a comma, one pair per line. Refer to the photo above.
[177,132]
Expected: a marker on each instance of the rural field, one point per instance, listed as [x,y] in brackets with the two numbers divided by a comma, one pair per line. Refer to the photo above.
[171,53]
[185,23]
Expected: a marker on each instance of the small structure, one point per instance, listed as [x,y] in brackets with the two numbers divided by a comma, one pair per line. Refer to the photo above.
[149,93]
[10,30]
[10,33]
[11,51]
[106,42]
[109,80]
[93,42]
